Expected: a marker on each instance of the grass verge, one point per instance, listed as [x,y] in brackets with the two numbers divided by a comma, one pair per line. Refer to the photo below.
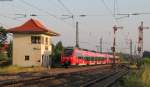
[17,69]
[137,78]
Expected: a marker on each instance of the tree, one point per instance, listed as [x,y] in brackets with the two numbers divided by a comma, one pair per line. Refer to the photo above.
[3,36]
[57,53]
[9,50]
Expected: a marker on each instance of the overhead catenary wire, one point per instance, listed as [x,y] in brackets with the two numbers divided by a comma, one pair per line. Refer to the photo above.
[4,16]
[9,17]
[39,9]
[3,25]
[107,8]
[65,7]
[115,8]
[110,11]
[16,7]
[68,10]
[35,7]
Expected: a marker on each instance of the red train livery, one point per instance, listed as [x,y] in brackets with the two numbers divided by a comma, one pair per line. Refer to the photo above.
[77,56]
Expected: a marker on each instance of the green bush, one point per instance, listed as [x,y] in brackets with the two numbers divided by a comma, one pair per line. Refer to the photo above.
[147,60]
[3,56]
[137,78]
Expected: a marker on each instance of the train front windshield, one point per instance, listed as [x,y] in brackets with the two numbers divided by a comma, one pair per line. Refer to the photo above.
[68,52]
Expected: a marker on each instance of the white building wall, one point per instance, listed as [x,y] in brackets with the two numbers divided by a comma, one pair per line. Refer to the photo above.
[22,47]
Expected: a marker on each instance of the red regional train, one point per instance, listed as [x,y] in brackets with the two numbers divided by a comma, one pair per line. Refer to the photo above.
[77,56]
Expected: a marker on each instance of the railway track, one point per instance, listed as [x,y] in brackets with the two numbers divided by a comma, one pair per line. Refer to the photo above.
[25,78]
[85,78]
[105,81]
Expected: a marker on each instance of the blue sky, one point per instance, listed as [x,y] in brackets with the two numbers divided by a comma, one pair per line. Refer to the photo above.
[98,22]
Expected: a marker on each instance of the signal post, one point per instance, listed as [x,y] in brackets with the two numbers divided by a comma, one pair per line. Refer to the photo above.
[140,43]
[115,28]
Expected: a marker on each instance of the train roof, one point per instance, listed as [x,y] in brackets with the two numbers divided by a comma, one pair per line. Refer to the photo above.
[81,49]
[71,47]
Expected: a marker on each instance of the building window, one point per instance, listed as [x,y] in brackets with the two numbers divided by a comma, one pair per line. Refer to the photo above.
[35,39]
[46,47]
[27,58]
[46,41]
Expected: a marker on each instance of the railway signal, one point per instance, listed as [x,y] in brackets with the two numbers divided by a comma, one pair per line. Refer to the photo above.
[140,39]
[114,44]
[140,44]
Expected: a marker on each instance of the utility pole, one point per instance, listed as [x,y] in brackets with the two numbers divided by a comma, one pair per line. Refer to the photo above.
[101,45]
[135,53]
[131,48]
[77,27]
[135,50]
[114,45]
[98,48]
[131,51]
[77,35]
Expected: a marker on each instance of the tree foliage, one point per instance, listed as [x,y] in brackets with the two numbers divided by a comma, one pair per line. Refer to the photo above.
[56,55]
[3,35]
[9,49]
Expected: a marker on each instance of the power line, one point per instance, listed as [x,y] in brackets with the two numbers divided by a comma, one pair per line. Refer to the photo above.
[77,15]
[14,6]
[9,17]
[35,7]
[125,15]
[65,7]
[109,10]
[38,8]
[3,25]
[114,8]
[117,6]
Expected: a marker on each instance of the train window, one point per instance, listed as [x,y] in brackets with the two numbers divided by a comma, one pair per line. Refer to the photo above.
[68,52]
[80,57]
[102,58]
[88,58]
[92,58]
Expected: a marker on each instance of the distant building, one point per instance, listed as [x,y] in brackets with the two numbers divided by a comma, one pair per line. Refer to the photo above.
[31,43]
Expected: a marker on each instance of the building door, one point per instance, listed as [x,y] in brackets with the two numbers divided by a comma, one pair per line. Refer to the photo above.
[46,60]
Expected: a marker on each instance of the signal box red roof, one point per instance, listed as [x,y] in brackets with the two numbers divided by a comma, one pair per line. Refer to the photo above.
[33,26]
